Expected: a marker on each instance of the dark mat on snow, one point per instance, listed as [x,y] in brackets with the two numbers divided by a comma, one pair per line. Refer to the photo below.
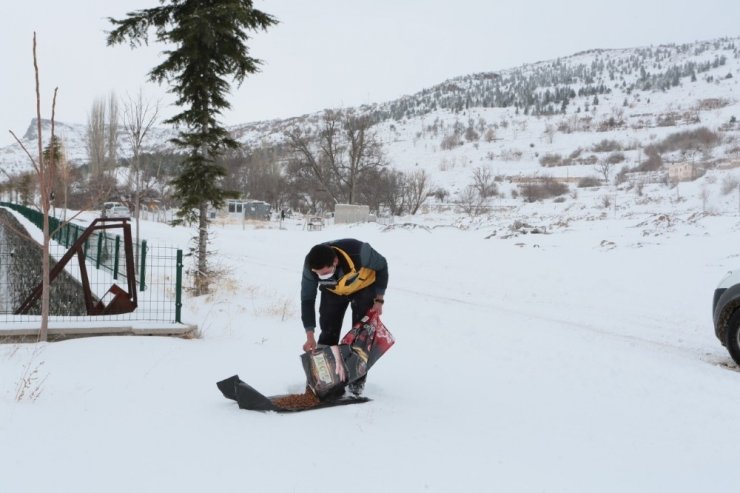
[249,398]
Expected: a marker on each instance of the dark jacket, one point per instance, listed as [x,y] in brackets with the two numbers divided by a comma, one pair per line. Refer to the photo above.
[361,254]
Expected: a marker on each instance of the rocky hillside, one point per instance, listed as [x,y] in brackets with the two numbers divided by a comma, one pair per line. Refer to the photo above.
[559,118]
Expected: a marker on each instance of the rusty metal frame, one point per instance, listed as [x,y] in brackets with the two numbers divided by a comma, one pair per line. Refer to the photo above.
[123,301]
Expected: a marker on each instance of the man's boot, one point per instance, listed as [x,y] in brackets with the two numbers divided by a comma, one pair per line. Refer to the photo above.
[357,386]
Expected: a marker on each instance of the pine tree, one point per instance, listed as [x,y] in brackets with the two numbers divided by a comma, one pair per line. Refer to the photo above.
[206,42]
[54,156]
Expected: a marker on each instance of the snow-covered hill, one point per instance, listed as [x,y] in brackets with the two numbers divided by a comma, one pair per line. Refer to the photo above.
[557,118]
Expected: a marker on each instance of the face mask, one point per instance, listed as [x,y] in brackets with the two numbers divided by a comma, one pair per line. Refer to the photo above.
[324,277]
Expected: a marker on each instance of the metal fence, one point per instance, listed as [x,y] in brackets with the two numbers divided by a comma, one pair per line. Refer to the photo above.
[158,271]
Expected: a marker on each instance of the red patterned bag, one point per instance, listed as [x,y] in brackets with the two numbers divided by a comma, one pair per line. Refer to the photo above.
[370,340]
[332,367]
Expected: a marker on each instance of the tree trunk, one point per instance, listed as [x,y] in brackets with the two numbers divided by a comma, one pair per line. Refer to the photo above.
[137,202]
[45,291]
[44,189]
[352,184]
[202,280]
[136,240]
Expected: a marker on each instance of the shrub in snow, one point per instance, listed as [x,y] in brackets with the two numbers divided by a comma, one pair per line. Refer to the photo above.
[545,189]
[607,145]
[589,181]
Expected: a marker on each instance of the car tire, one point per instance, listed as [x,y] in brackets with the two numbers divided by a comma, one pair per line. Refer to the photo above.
[732,336]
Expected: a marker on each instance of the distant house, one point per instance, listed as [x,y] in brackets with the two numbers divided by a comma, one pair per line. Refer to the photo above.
[644,177]
[256,209]
[242,209]
[682,172]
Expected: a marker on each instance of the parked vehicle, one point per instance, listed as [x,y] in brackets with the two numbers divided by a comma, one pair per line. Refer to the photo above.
[726,311]
[108,206]
[119,211]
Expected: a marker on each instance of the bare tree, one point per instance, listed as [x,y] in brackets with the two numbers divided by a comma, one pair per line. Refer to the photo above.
[389,188]
[363,154]
[483,182]
[64,175]
[43,173]
[25,188]
[139,116]
[339,155]
[45,167]
[96,137]
[102,134]
[418,186]
[258,174]
[604,168]
[470,133]
[112,133]
[308,163]
[549,132]
[704,194]
[471,202]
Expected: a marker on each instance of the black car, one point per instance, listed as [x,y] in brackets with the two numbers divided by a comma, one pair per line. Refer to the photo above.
[726,310]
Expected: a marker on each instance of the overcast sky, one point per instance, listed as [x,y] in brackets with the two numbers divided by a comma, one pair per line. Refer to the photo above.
[331,53]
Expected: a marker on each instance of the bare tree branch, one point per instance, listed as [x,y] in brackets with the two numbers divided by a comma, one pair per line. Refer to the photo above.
[33,161]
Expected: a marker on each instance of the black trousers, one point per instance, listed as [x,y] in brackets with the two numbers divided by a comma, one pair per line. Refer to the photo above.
[333,307]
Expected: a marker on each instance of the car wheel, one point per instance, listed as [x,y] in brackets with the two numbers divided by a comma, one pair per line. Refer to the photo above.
[732,336]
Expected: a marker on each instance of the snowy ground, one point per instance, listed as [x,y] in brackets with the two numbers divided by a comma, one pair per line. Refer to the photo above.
[580,360]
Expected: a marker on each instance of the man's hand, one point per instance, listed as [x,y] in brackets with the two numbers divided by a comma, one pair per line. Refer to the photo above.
[378,305]
[339,370]
[310,343]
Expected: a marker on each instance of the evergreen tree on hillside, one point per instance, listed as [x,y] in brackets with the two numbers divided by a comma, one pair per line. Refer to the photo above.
[206,42]
[58,171]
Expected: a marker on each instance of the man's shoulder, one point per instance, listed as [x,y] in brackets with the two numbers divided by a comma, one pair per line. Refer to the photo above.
[346,243]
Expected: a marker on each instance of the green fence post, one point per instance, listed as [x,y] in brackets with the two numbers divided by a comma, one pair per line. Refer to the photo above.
[178,288]
[100,251]
[115,258]
[54,226]
[142,265]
